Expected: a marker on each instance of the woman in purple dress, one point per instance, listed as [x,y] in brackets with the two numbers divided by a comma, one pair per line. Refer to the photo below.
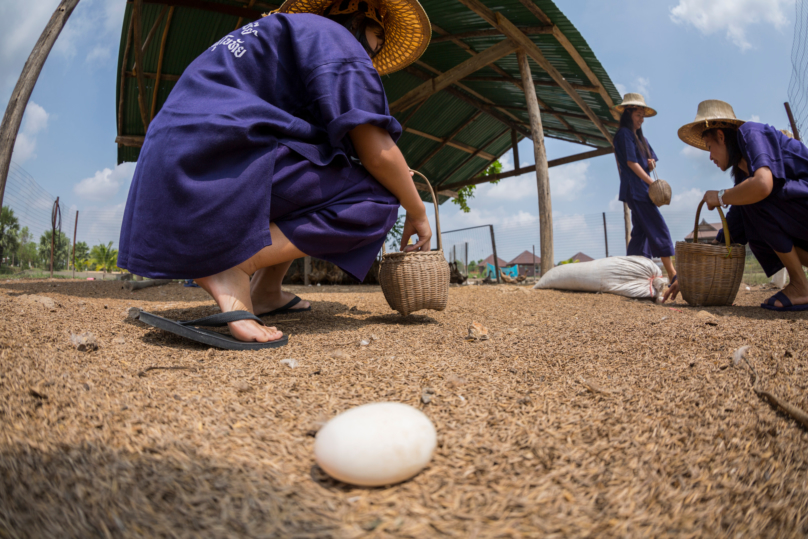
[276,143]
[636,159]
[770,197]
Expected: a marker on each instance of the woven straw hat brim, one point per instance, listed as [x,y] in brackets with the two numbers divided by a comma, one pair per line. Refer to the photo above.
[407,30]
[623,106]
[691,133]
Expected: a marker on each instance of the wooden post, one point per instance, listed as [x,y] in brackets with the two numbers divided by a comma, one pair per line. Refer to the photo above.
[605,235]
[75,227]
[627,220]
[534,261]
[137,13]
[794,129]
[466,259]
[306,270]
[160,64]
[496,258]
[25,85]
[515,143]
[53,232]
[542,171]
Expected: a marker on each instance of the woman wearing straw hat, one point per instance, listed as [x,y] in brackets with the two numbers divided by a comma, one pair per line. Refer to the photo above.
[636,159]
[254,160]
[770,197]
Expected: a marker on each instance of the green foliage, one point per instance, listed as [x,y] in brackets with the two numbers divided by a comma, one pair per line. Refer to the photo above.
[393,240]
[9,230]
[61,249]
[464,194]
[82,255]
[26,251]
[103,257]
[568,261]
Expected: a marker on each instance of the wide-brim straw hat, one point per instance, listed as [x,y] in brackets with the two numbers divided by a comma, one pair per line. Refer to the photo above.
[407,29]
[711,114]
[635,101]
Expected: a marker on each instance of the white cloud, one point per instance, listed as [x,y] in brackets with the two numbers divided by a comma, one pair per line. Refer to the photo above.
[98,55]
[621,88]
[513,188]
[105,183]
[640,85]
[691,152]
[615,204]
[731,16]
[754,118]
[686,201]
[34,121]
[567,182]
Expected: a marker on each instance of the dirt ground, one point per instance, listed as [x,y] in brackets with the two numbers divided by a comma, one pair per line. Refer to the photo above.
[583,415]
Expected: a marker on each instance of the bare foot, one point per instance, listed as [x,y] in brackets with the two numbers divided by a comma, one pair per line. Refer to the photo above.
[231,290]
[797,295]
[264,302]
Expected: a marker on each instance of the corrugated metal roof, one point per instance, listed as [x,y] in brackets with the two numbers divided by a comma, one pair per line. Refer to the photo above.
[197,24]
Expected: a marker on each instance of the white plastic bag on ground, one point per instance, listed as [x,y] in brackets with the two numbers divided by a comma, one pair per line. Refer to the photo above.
[629,276]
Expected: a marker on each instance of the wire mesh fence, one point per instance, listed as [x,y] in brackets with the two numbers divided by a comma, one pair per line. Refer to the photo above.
[798,86]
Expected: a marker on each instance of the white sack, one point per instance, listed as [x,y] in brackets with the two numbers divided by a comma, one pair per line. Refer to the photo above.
[630,276]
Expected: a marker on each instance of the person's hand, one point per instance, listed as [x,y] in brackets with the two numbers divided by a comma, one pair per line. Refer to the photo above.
[711,198]
[418,225]
[671,292]
[651,165]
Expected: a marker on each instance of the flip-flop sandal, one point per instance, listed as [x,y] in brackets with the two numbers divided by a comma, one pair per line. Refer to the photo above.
[211,338]
[287,309]
[787,305]
[189,283]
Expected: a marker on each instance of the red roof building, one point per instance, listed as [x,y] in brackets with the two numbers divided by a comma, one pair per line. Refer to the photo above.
[707,232]
[582,257]
[527,263]
[490,260]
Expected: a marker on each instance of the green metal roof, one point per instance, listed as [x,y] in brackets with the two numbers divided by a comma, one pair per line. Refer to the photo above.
[197,24]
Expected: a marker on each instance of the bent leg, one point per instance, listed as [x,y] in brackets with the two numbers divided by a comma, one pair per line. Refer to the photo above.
[231,288]
[265,289]
[797,289]
[638,244]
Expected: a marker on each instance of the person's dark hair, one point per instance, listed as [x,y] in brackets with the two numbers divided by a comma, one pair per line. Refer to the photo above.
[627,122]
[733,149]
[356,23]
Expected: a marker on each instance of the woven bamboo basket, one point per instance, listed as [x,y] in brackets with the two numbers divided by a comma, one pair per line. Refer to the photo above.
[709,274]
[419,280]
[660,193]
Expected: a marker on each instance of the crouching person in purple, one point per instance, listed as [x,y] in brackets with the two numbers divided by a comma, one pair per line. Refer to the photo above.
[636,159]
[276,143]
[770,197]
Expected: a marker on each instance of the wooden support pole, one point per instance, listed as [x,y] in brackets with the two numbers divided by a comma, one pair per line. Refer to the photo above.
[794,130]
[496,258]
[124,73]
[160,63]
[25,85]
[75,228]
[515,145]
[137,13]
[542,171]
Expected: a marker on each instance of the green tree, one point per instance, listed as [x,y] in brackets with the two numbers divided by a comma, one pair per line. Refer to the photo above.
[569,261]
[464,194]
[393,240]
[82,255]
[9,231]
[61,249]
[104,258]
[26,251]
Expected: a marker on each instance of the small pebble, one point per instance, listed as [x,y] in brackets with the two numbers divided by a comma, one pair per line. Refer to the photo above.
[289,362]
[242,387]
[132,312]
[364,343]
[84,342]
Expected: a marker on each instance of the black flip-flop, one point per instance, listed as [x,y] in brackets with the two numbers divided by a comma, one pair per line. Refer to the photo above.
[787,305]
[287,309]
[211,338]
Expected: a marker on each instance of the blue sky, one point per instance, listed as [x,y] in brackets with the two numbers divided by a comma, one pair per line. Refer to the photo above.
[676,53]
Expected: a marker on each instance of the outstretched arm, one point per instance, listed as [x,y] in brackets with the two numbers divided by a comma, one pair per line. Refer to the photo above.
[749,191]
[382,158]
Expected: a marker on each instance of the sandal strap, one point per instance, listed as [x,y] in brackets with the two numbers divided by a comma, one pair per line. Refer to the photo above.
[222,319]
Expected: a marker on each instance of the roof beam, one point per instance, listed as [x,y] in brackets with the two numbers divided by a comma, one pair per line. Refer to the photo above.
[499,21]
[131,141]
[137,13]
[552,84]
[163,76]
[160,62]
[529,30]
[448,142]
[469,158]
[433,86]
[573,52]
[225,9]
[557,113]
[421,186]
[450,137]
[532,168]
[128,46]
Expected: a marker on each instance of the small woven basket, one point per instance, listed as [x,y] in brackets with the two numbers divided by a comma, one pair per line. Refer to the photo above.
[417,280]
[660,193]
[709,274]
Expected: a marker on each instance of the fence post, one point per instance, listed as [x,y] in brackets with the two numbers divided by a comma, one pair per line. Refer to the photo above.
[496,258]
[794,129]
[75,227]
[605,235]
[534,261]
[466,260]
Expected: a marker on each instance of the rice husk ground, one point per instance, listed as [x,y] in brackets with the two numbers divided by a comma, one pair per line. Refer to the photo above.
[583,415]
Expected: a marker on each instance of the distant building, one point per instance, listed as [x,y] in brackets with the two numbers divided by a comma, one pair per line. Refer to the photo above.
[582,257]
[707,232]
[490,260]
[528,265]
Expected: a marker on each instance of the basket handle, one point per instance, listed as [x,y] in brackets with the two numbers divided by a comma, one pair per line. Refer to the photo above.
[723,223]
[437,214]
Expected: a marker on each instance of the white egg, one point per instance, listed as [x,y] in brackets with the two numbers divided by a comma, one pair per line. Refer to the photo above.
[376,444]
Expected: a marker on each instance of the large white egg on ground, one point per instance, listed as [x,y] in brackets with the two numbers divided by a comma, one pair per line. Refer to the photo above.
[376,444]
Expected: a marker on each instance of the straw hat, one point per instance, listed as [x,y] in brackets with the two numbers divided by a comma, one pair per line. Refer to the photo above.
[407,29]
[712,114]
[635,101]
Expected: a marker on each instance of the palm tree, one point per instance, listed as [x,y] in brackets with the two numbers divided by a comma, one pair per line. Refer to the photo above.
[9,229]
[103,257]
